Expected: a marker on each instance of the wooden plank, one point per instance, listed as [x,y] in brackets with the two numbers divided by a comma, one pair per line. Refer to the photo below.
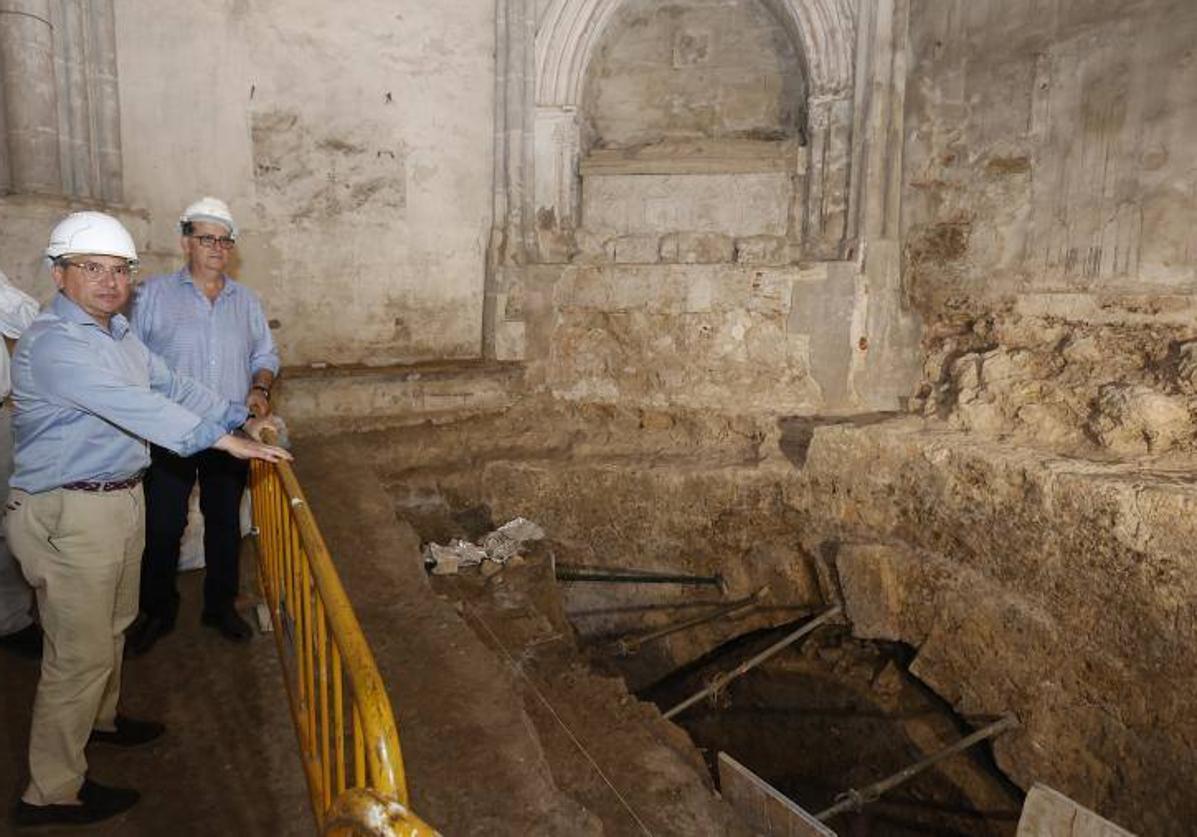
[1049,813]
[762,807]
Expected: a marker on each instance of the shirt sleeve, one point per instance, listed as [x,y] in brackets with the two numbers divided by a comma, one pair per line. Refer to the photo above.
[63,368]
[194,396]
[263,355]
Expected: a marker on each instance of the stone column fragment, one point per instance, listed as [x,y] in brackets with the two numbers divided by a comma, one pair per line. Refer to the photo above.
[30,97]
[105,102]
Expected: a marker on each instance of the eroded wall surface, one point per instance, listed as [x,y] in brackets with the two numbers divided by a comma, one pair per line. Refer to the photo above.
[1056,588]
[704,68]
[1048,207]
[353,143]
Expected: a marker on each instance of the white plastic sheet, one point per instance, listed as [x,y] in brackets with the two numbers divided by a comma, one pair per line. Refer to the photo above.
[494,550]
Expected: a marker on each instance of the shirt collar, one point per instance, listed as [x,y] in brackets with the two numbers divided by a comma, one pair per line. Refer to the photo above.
[69,310]
[184,275]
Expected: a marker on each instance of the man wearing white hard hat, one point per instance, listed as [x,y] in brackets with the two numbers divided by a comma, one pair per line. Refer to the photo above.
[18,632]
[87,394]
[212,328]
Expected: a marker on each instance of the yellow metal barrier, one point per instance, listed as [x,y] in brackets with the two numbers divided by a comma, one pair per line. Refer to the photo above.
[348,740]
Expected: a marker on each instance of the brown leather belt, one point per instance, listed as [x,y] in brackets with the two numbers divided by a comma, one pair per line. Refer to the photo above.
[113,485]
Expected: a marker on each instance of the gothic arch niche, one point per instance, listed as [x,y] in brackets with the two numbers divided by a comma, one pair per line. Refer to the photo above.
[822,33]
[691,71]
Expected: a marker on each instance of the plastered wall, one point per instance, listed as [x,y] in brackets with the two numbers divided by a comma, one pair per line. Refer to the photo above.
[353,142]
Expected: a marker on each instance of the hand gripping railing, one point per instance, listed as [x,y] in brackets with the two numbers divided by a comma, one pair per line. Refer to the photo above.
[338,701]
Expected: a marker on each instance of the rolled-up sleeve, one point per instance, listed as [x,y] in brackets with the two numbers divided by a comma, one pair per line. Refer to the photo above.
[263,355]
[63,370]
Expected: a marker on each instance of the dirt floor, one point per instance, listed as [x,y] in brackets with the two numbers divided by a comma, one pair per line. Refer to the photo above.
[505,729]
[227,764]
[508,732]
[521,686]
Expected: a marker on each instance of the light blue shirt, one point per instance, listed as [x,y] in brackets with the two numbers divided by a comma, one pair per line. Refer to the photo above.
[220,343]
[85,400]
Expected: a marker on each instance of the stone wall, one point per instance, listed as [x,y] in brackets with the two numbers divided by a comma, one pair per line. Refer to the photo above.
[703,322]
[1056,588]
[1048,210]
[353,143]
[744,264]
[694,335]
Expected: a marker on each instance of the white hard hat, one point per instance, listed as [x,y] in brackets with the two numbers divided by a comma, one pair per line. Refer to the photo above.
[93,233]
[209,209]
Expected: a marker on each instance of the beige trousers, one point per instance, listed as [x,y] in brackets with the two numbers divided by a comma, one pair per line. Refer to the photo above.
[81,553]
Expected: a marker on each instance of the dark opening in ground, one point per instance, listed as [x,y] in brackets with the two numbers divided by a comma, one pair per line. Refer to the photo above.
[828,714]
[835,713]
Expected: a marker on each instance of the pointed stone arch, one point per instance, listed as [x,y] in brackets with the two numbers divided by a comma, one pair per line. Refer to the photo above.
[569,30]
[848,191]
[824,31]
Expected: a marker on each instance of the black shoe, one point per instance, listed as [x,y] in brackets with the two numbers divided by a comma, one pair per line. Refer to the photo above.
[146,631]
[230,625]
[26,643]
[97,803]
[128,733]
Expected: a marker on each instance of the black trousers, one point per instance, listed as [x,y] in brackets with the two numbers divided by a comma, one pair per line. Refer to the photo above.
[168,485]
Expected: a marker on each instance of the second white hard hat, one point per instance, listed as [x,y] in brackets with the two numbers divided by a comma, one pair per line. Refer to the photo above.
[92,233]
[209,209]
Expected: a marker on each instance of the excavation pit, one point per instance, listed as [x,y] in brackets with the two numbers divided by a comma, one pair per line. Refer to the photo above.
[982,562]
[826,715]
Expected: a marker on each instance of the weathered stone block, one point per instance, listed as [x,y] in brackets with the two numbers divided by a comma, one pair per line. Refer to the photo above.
[762,249]
[510,340]
[871,578]
[633,249]
[696,248]
[738,204]
[591,248]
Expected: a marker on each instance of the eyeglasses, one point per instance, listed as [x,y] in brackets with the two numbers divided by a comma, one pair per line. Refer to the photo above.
[95,271]
[212,242]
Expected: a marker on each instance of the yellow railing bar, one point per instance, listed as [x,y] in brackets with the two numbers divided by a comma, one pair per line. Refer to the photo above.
[317,632]
[362,811]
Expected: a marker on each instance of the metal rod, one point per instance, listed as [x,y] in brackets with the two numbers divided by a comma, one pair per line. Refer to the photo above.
[719,681]
[636,577]
[630,645]
[854,800]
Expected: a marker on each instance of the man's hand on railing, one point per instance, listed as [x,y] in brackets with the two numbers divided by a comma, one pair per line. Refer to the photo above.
[263,428]
[244,448]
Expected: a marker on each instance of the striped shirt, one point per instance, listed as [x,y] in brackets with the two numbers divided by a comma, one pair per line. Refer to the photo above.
[220,343]
[86,400]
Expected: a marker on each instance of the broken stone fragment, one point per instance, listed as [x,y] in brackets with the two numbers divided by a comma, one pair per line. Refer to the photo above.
[451,559]
[762,249]
[1137,419]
